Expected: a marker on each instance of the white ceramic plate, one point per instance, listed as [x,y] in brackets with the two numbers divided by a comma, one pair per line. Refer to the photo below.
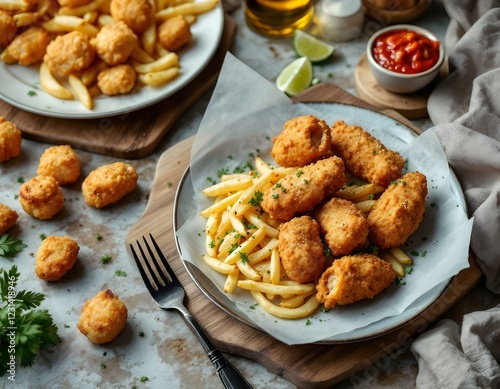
[16,82]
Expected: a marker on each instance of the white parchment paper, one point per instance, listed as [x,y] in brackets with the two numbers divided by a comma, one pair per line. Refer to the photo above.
[244,114]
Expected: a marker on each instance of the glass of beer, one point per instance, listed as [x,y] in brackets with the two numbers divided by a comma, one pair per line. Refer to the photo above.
[278,18]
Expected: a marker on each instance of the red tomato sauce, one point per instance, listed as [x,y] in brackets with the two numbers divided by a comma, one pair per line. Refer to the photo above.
[405,51]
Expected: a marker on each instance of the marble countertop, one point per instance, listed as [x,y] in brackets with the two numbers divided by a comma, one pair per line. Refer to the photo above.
[156,345]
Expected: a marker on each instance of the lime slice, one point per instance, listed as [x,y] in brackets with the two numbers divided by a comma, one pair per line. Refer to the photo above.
[306,45]
[295,77]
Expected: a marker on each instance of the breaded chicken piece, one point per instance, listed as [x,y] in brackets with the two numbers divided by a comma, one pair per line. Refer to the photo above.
[60,162]
[8,218]
[301,249]
[69,53]
[55,257]
[365,156]
[398,212]
[28,48]
[303,140]
[301,191]
[109,183]
[137,14]
[10,140]
[115,42]
[174,33]
[119,79]
[354,278]
[103,317]
[41,197]
[8,28]
[343,226]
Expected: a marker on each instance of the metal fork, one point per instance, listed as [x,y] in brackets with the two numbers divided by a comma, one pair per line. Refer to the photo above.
[168,293]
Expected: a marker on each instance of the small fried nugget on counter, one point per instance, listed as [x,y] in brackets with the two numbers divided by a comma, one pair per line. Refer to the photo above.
[10,140]
[364,155]
[303,140]
[302,190]
[398,212]
[8,218]
[103,317]
[301,249]
[343,226]
[41,197]
[55,257]
[354,278]
[61,163]
[109,183]
[174,33]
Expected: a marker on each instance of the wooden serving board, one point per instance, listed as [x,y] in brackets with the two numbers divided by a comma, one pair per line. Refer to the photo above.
[310,365]
[133,135]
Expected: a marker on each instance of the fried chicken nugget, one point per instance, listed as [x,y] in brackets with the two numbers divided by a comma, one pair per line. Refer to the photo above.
[8,28]
[301,191]
[398,212]
[137,14]
[109,183]
[116,80]
[41,197]
[301,249]
[303,140]
[60,162]
[343,226]
[174,33]
[103,317]
[10,140]
[365,156]
[28,48]
[354,278]
[115,42]
[8,218]
[55,257]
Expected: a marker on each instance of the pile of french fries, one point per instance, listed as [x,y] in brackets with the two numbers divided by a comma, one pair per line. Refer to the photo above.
[155,66]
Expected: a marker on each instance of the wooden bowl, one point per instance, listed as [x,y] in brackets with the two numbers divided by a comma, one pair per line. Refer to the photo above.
[387,12]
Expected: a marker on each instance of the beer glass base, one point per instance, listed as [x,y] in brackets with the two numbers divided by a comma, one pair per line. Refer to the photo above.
[278,27]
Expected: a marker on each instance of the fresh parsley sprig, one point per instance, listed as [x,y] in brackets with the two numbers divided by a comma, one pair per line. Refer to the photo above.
[10,246]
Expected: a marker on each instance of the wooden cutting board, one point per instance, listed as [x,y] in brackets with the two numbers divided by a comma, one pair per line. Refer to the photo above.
[310,365]
[130,136]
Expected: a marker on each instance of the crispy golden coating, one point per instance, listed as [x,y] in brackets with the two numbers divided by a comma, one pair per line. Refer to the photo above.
[137,14]
[303,140]
[69,53]
[55,257]
[73,3]
[354,278]
[119,79]
[364,155]
[103,317]
[301,249]
[115,42]
[8,28]
[28,48]
[109,183]
[343,226]
[174,33]
[41,197]
[61,163]
[301,191]
[399,211]
[10,140]
[8,218]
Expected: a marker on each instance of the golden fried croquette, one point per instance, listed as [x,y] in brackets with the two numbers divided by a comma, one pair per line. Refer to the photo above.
[174,33]
[365,156]
[137,14]
[353,278]
[109,183]
[302,190]
[103,317]
[69,53]
[303,140]
[28,48]
[73,3]
[60,162]
[301,249]
[115,42]
[10,140]
[119,79]
[8,218]
[398,212]
[8,28]
[55,257]
[41,197]
[343,226]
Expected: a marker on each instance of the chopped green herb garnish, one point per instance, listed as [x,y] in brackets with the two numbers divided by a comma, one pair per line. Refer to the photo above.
[257,199]
[103,366]
[120,273]
[169,184]
[141,334]
[98,237]
[20,180]
[308,322]
[244,257]
[105,259]
[275,195]
[10,246]
[299,172]
[31,93]
[144,379]
[43,236]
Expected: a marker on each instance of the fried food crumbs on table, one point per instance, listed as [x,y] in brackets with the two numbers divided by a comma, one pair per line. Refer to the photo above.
[10,140]
[60,162]
[41,197]
[55,257]
[8,218]
[174,33]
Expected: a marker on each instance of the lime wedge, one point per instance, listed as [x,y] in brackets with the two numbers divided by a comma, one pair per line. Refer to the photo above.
[306,45]
[295,77]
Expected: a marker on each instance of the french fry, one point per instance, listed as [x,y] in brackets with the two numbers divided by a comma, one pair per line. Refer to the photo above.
[60,23]
[221,205]
[218,265]
[160,50]
[400,256]
[247,246]
[82,10]
[186,9]
[50,84]
[14,5]
[304,310]
[229,186]
[275,267]
[81,91]
[276,288]
[257,221]
[231,281]
[149,39]
[156,79]
[263,253]
[104,19]
[26,18]
[365,206]
[248,271]
[89,75]
[398,268]
[358,192]
[295,301]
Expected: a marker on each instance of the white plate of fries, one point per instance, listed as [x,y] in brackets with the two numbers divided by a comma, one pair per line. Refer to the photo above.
[21,87]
